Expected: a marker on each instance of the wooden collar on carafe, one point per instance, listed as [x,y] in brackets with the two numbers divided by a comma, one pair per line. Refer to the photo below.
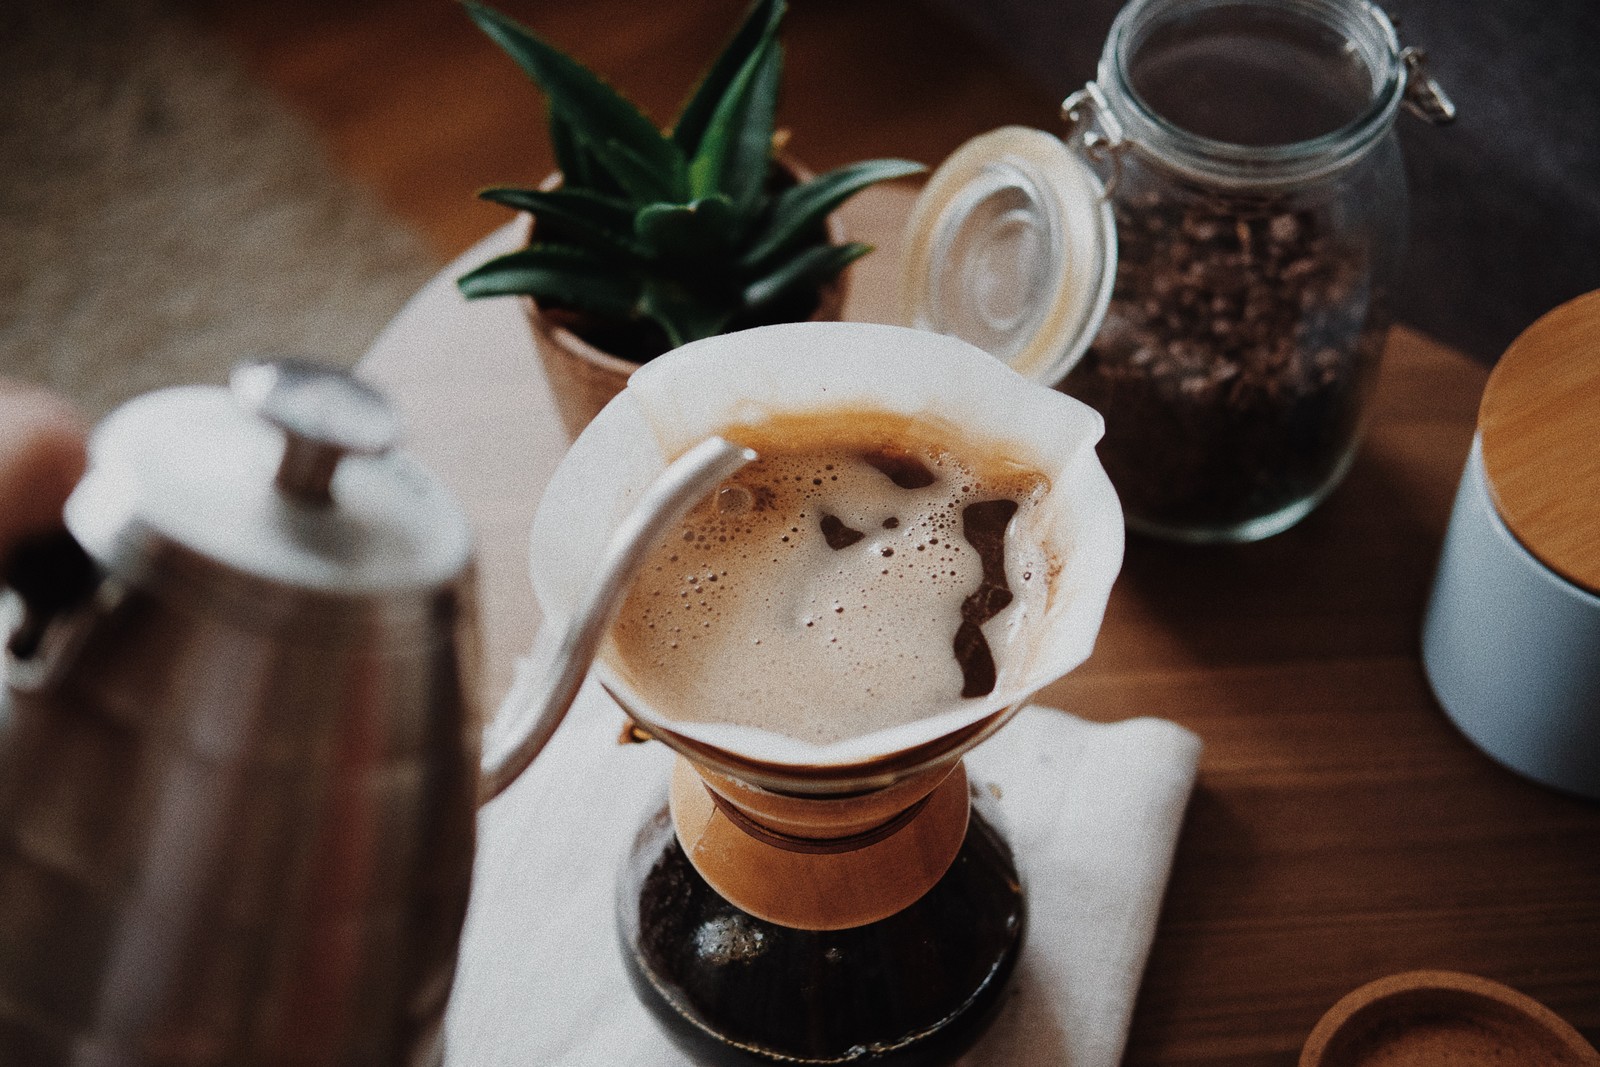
[820,863]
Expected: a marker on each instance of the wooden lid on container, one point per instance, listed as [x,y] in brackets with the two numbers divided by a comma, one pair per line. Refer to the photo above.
[1540,422]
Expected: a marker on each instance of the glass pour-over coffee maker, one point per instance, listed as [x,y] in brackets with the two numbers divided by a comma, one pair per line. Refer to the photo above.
[847,901]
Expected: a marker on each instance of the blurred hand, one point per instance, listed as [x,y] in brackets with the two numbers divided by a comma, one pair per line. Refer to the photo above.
[41,459]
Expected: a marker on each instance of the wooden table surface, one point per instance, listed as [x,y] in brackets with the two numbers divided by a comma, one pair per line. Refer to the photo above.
[1342,829]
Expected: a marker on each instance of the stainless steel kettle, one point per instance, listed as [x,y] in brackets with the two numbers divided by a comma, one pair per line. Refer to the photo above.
[238,772]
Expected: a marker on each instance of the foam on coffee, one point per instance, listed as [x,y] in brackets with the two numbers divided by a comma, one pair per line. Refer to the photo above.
[840,585]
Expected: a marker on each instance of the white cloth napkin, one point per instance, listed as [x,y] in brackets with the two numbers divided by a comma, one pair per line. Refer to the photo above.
[1092,812]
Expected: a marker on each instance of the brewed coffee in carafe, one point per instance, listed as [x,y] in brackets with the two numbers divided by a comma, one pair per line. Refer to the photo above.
[918,987]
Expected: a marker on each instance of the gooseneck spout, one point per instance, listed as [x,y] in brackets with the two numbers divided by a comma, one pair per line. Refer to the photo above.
[522,732]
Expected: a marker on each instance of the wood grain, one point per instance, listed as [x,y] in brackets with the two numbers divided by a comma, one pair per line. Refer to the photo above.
[1342,829]
[421,107]
[1540,420]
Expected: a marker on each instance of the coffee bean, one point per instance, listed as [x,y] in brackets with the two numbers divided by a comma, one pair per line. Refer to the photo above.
[1228,365]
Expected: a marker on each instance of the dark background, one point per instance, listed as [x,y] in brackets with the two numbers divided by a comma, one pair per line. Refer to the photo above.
[1505,202]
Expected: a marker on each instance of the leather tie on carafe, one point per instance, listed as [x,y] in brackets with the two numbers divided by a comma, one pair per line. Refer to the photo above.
[814,846]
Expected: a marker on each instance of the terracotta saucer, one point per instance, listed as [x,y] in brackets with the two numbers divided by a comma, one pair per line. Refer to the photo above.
[1438,1017]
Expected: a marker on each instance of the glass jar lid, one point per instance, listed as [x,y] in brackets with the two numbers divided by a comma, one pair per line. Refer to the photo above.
[1012,247]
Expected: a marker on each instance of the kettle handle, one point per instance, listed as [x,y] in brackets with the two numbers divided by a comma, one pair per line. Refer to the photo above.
[521,732]
[49,576]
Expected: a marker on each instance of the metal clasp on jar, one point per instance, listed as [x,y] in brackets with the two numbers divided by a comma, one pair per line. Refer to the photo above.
[1096,132]
[1424,97]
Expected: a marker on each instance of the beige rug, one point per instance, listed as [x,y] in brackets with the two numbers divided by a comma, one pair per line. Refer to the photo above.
[161,217]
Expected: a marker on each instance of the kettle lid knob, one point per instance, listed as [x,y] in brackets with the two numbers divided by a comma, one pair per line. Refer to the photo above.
[325,415]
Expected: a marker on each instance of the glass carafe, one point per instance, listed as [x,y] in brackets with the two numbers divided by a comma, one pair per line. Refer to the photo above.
[885,943]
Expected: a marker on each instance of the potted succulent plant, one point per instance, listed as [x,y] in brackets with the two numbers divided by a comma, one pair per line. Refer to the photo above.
[648,239]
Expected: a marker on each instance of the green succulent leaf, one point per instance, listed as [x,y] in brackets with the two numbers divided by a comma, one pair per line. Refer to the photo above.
[806,270]
[684,315]
[700,232]
[760,24]
[602,223]
[734,153]
[566,275]
[576,162]
[679,230]
[603,120]
[800,209]
[635,174]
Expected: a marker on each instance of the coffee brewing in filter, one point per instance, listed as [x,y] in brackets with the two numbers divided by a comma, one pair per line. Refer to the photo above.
[984,413]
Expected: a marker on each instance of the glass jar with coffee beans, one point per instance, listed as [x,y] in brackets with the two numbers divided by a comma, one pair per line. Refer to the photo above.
[1248,151]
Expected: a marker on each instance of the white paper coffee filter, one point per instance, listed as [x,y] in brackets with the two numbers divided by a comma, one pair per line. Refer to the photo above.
[701,389]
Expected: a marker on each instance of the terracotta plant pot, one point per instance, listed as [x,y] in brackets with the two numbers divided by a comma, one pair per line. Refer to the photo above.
[583,378]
